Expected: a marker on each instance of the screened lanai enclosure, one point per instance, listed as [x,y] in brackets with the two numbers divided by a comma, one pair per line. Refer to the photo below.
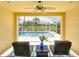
[35,26]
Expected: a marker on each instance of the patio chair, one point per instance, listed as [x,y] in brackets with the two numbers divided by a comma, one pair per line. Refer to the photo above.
[61,47]
[22,49]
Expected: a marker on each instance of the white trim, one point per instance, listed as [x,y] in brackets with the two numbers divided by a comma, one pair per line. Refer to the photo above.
[7,52]
[74,53]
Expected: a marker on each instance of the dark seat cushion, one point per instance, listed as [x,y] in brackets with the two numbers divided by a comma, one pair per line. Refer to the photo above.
[61,47]
[22,48]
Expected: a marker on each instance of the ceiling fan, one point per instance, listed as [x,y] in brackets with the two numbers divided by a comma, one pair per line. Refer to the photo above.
[41,7]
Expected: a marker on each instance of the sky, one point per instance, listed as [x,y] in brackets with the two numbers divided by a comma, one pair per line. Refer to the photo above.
[43,19]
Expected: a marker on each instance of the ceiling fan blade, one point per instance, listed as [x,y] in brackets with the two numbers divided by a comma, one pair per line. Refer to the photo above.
[42,10]
[29,8]
[36,10]
[39,10]
[52,8]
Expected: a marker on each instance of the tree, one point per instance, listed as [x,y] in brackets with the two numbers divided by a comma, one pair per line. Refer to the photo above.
[35,22]
[58,27]
[24,25]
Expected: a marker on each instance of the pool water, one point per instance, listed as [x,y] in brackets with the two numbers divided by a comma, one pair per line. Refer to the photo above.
[35,34]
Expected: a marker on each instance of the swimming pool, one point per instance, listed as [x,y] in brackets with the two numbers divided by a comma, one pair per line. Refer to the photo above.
[35,34]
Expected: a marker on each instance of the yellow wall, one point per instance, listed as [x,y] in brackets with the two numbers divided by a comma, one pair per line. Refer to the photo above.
[6,29]
[72,28]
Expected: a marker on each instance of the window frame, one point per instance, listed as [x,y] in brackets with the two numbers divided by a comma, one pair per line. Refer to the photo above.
[62,23]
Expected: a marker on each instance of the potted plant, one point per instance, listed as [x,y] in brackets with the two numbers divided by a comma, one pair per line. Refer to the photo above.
[42,38]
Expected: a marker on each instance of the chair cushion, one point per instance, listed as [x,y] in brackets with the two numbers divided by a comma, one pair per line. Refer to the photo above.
[61,47]
[22,48]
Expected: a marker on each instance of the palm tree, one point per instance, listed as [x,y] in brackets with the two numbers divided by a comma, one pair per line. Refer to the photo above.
[36,21]
[24,25]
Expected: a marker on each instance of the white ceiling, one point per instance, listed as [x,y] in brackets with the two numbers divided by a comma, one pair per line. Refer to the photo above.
[19,6]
